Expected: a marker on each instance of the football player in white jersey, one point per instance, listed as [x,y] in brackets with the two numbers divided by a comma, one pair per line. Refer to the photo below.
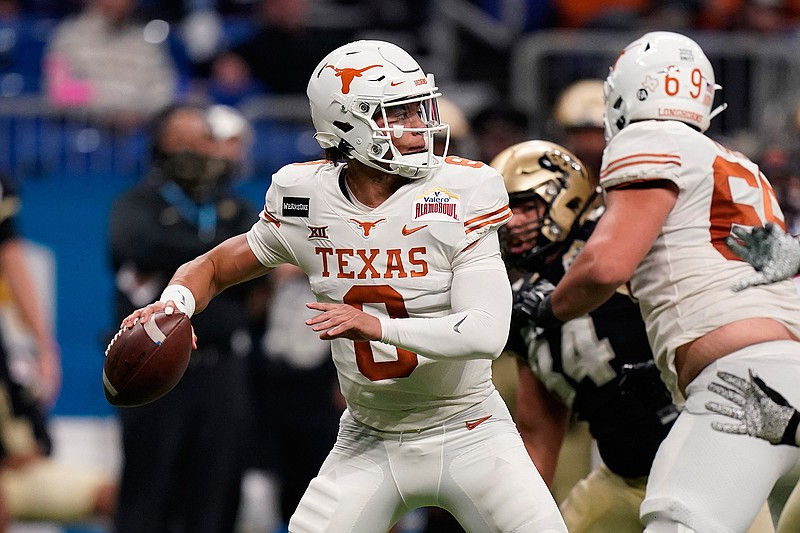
[400,246]
[673,196]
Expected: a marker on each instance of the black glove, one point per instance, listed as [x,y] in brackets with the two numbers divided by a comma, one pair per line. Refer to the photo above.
[532,306]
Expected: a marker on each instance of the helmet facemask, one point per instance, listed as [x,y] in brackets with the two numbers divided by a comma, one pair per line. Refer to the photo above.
[549,178]
[535,255]
[395,118]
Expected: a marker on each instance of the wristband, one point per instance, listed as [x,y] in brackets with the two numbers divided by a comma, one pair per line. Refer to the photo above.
[182,296]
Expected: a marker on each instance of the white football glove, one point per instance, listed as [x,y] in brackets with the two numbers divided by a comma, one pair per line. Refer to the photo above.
[762,412]
[774,254]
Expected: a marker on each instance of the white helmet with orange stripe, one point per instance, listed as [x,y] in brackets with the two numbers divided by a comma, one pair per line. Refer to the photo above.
[365,81]
[662,75]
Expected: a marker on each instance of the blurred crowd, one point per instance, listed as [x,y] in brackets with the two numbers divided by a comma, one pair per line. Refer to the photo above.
[95,52]
[115,63]
[132,56]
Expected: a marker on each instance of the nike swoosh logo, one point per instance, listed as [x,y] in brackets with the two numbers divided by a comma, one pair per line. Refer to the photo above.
[472,424]
[408,231]
[457,324]
[396,83]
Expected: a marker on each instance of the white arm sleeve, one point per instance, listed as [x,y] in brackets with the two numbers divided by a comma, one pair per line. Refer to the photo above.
[478,326]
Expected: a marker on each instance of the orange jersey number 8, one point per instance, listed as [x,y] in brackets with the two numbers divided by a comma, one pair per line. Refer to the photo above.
[376,370]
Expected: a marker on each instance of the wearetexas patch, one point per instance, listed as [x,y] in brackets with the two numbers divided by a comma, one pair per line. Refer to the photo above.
[437,204]
[295,206]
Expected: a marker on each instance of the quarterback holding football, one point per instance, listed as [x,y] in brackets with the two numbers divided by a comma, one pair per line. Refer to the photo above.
[400,246]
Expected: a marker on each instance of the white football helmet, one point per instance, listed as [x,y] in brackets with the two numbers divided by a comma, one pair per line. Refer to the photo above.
[661,75]
[357,83]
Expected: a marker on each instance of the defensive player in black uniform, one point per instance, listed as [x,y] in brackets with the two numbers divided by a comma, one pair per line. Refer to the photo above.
[33,486]
[599,366]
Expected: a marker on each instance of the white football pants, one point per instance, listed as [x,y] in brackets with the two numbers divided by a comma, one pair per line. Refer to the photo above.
[714,482]
[477,470]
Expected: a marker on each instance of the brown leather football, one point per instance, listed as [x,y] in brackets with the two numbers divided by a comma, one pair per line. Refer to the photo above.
[145,362]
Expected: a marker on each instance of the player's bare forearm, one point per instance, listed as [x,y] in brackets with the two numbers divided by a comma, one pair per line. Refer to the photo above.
[26,300]
[588,283]
[542,421]
[20,284]
[229,263]
[619,243]
[206,276]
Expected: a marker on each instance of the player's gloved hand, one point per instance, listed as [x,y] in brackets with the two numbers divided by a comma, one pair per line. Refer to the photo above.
[774,254]
[531,306]
[762,411]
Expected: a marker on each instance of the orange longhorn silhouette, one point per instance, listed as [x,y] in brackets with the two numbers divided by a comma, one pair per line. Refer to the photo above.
[349,74]
[366,227]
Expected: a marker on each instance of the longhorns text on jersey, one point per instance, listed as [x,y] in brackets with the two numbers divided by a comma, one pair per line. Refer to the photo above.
[673,195]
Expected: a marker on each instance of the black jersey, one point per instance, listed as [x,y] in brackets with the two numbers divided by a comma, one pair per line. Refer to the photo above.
[23,419]
[601,366]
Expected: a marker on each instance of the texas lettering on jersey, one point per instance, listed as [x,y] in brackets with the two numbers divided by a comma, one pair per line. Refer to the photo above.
[360,263]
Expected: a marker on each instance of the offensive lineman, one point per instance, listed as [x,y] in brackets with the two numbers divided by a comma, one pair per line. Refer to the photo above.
[600,365]
[401,249]
[673,196]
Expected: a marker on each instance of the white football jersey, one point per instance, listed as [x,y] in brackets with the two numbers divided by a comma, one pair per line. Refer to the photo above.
[683,284]
[394,261]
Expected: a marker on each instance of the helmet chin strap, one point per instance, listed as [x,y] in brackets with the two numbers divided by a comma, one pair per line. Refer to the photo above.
[419,167]
[720,108]
[405,171]
[369,162]
[717,110]
[412,166]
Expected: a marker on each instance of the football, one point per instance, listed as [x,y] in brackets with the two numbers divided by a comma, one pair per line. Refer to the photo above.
[144,362]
